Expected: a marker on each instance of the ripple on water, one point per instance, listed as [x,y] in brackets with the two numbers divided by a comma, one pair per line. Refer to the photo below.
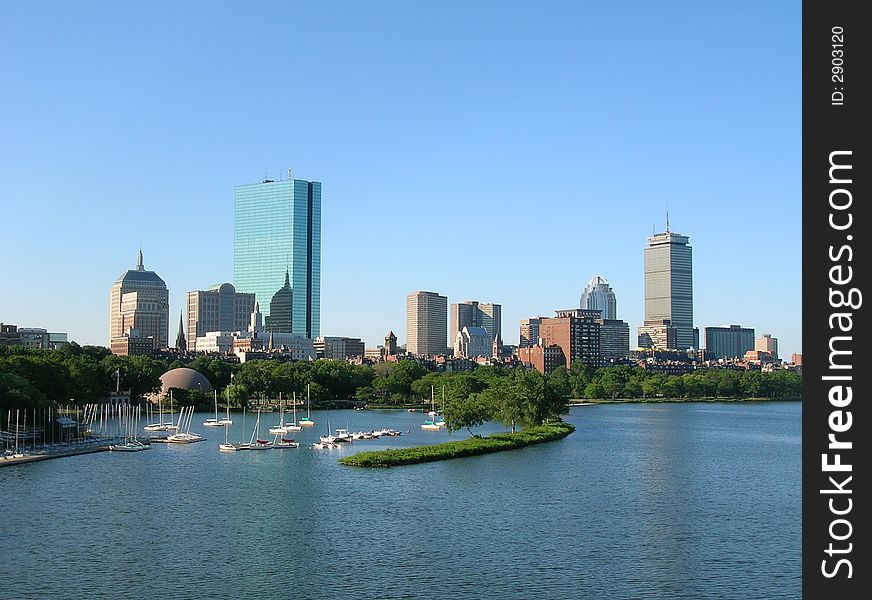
[646,501]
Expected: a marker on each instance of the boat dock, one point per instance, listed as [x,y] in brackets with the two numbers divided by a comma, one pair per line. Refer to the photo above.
[9,459]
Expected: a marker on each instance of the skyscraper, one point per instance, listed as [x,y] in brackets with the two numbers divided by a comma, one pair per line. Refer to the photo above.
[669,285]
[426,323]
[277,229]
[139,307]
[598,295]
[475,314]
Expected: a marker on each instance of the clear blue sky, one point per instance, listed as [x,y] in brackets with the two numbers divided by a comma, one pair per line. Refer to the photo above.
[504,152]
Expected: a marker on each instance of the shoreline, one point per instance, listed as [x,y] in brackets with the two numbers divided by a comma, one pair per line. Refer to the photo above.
[680,400]
[474,446]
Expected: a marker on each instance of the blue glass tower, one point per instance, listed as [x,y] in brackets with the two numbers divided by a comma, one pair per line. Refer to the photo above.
[277,229]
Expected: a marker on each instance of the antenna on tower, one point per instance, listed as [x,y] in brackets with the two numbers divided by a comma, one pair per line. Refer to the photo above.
[289,174]
[667,216]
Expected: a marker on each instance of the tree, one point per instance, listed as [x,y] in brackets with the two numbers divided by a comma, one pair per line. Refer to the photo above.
[18,392]
[594,391]
[560,382]
[471,411]
[237,395]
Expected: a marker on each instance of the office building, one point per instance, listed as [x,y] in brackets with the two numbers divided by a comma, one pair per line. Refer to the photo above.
[530,332]
[614,339]
[35,338]
[139,300]
[339,348]
[657,335]
[729,341]
[219,308]
[577,332]
[426,324]
[277,230]
[767,343]
[598,295]
[475,314]
[668,264]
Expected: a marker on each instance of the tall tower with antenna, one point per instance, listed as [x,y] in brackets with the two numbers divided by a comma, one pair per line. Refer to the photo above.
[668,268]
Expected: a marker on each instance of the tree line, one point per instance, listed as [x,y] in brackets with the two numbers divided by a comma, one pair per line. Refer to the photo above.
[81,374]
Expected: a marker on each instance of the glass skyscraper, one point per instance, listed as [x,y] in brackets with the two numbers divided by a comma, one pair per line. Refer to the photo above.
[277,229]
[669,285]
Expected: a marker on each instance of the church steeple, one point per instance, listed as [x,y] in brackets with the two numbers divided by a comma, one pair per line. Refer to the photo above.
[181,344]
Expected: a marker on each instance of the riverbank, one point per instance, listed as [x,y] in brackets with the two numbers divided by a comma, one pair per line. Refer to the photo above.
[473,446]
[662,400]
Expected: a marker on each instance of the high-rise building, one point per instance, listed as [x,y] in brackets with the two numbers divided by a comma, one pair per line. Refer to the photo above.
[729,341]
[614,339]
[577,332]
[767,343]
[426,323]
[139,307]
[219,308]
[475,314]
[277,229]
[669,286]
[598,295]
[530,332]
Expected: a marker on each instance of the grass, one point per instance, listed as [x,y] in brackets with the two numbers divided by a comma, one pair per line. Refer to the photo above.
[469,447]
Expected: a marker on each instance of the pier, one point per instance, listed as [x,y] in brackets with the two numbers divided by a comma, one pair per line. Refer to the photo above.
[9,459]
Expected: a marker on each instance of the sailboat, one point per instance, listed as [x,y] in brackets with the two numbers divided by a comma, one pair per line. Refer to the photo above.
[216,422]
[227,446]
[242,445]
[186,415]
[440,419]
[326,441]
[131,443]
[256,443]
[280,428]
[293,426]
[431,425]
[161,425]
[307,420]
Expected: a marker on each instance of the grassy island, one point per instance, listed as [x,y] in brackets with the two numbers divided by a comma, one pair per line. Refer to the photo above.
[469,447]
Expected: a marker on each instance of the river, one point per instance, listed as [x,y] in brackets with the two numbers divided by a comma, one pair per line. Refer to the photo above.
[691,500]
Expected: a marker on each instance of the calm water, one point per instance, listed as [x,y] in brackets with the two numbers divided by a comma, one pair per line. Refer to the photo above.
[642,501]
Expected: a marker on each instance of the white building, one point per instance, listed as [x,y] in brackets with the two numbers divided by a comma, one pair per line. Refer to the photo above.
[472,342]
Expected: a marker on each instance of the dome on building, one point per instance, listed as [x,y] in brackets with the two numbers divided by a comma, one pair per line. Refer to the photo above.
[184,379]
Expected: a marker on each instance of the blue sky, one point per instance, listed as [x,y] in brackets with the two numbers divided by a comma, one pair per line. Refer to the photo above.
[503,152]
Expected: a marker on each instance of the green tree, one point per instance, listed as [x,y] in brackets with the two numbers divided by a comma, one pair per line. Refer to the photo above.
[471,411]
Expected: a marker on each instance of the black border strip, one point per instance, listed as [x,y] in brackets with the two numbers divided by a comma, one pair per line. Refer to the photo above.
[835,44]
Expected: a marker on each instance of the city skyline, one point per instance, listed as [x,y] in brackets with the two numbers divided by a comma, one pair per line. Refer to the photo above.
[656,136]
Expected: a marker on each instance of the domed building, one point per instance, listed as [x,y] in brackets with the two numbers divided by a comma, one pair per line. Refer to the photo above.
[281,309]
[185,379]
